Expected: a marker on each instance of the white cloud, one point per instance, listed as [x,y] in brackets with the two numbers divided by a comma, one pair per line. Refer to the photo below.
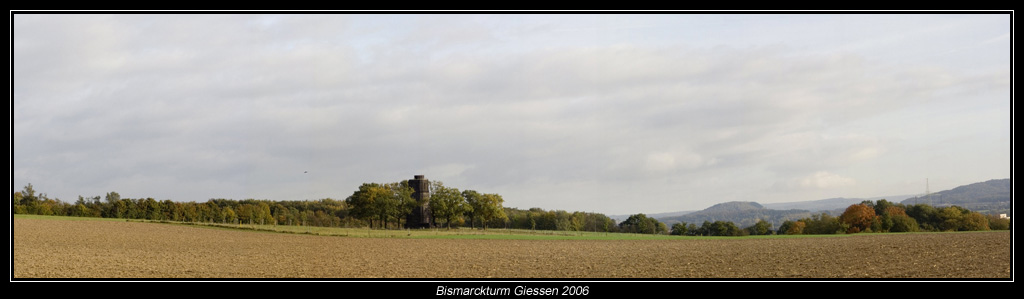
[660,162]
[867,153]
[490,102]
[818,180]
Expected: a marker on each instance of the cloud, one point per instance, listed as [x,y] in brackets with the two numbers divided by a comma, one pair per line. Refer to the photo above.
[518,104]
[818,180]
[661,162]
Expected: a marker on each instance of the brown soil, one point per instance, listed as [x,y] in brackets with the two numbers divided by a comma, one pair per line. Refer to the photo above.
[99,249]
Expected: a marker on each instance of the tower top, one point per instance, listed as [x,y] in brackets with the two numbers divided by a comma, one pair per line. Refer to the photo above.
[418,176]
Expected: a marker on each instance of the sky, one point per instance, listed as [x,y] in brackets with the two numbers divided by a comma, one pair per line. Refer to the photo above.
[606,113]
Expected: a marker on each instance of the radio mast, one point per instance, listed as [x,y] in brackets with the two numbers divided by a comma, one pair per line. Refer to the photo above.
[927,192]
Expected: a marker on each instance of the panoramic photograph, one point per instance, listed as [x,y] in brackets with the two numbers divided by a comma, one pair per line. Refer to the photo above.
[479,148]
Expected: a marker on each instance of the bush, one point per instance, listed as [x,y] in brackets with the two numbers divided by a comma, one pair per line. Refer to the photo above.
[996,223]
[792,227]
[823,224]
[974,221]
[903,223]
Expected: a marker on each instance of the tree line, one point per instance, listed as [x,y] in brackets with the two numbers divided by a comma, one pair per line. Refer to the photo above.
[381,205]
[386,205]
[323,212]
[881,216]
[376,205]
[721,228]
[884,216]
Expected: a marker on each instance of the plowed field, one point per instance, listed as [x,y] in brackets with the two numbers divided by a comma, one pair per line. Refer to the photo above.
[100,249]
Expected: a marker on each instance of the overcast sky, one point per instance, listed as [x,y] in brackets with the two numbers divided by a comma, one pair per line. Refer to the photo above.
[616,114]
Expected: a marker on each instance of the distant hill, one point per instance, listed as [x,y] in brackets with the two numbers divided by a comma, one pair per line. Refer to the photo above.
[993,196]
[747,213]
[830,204]
[621,218]
[816,205]
[741,213]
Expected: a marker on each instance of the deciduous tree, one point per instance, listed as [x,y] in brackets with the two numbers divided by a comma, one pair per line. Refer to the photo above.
[951,218]
[859,217]
[490,207]
[115,208]
[997,223]
[790,227]
[679,229]
[760,228]
[974,221]
[641,224]
[823,224]
[447,203]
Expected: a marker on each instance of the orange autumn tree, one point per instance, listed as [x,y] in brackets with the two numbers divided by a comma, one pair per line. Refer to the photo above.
[858,217]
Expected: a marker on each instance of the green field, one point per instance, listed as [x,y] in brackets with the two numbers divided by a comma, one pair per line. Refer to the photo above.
[436,233]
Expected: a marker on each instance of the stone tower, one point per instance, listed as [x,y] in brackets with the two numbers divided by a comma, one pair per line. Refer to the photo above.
[420,216]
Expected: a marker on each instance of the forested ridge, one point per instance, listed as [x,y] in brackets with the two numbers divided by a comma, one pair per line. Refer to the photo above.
[741,213]
[385,206]
[992,196]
